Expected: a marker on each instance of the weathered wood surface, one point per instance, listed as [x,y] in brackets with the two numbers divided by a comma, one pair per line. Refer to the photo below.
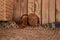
[20,8]
[30,6]
[51,11]
[25,6]
[2,10]
[9,9]
[45,4]
[37,8]
[17,12]
[6,10]
[46,10]
[57,10]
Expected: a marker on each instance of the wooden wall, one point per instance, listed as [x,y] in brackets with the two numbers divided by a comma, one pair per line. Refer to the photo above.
[48,11]
[6,10]
[58,10]
[20,8]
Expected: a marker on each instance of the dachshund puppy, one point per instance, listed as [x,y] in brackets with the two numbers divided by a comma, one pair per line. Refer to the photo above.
[22,21]
[33,19]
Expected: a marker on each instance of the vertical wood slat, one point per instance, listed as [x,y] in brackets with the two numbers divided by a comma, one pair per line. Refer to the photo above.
[20,8]
[45,4]
[57,10]
[25,6]
[38,9]
[30,6]
[1,9]
[51,11]
[17,12]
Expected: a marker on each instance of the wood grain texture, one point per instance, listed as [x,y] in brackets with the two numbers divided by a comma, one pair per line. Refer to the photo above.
[37,8]
[6,6]
[24,5]
[57,10]
[17,9]
[30,6]
[51,11]
[1,10]
[45,4]
[20,8]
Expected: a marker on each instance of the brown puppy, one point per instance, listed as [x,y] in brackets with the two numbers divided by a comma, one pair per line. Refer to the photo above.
[33,19]
[22,21]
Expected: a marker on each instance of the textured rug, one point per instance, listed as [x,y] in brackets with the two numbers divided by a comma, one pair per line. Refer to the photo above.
[30,33]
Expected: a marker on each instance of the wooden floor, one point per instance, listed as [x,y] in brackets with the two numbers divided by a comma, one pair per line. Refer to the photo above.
[29,33]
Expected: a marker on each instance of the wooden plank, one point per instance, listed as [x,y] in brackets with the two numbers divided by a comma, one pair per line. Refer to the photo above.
[51,11]
[17,9]
[30,6]
[57,10]
[38,9]
[8,6]
[20,8]
[9,15]
[24,5]
[45,4]
[3,10]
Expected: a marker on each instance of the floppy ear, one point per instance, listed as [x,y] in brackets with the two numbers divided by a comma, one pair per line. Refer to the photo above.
[24,15]
[19,20]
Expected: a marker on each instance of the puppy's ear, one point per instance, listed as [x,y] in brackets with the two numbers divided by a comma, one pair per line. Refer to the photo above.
[24,15]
